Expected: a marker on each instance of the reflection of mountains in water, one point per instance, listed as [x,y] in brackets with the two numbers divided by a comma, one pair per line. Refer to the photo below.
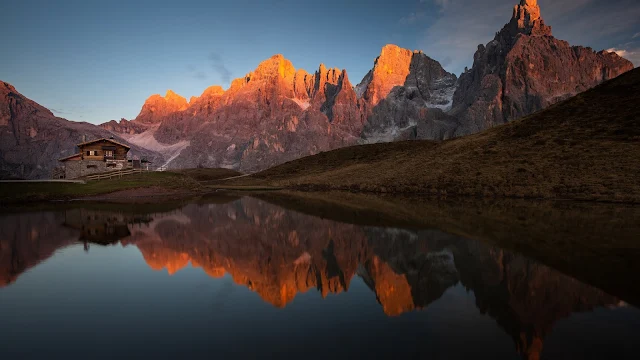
[278,253]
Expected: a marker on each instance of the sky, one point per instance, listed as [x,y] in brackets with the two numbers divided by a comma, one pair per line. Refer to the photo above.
[98,60]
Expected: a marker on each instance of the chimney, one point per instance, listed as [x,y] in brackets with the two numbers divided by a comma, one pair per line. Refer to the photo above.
[84,138]
[111,137]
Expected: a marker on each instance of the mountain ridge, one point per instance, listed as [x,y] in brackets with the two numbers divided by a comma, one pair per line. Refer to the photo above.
[584,148]
[406,95]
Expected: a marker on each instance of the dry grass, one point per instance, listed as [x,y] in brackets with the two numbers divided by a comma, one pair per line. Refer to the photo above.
[11,193]
[586,148]
[208,174]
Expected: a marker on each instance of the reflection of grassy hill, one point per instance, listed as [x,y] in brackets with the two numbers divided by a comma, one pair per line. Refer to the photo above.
[587,147]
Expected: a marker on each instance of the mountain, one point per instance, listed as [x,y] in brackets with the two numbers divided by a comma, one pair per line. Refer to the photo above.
[277,113]
[32,139]
[404,96]
[525,69]
[585,148]
[271,115]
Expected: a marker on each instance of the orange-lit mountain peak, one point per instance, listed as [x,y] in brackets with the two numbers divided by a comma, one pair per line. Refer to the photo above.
[160,258]
[215,90]
[393,290]
[156,107]
[175,98]
[276,65]
[302,72]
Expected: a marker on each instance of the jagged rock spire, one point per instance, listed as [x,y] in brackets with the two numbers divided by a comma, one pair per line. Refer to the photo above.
[528,20]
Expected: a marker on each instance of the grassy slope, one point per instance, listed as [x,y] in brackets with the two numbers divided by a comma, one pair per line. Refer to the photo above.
[587,147]
[23,192]
[204,174]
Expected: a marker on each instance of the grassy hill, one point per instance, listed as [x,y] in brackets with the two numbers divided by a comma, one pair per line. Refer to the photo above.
[159,185]
[586,148]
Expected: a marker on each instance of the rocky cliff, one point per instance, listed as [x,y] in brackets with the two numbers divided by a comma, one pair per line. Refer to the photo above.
[525,69]
[32,139]
[279,113]
[405,96]
[156,107]
[271,115]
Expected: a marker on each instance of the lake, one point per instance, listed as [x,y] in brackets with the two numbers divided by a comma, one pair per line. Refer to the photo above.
[242,277]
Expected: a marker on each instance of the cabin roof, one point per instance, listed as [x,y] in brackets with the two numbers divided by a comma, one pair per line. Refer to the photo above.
[103,139]
[69,157]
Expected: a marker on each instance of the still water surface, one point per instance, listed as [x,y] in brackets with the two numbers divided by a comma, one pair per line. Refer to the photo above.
[247,279]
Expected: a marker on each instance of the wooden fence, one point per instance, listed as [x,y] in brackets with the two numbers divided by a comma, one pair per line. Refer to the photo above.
[115,174]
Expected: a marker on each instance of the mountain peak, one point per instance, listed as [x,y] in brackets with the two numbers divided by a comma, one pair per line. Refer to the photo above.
[275,66]
[213,91]
[157,107]
[173,97]
[527,19]
[390,69]
[7,86]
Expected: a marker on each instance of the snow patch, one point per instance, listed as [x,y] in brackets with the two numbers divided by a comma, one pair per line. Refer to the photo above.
[364,84]
[147,141]
[305,258]
[304,105]
[442,98]
[387,135]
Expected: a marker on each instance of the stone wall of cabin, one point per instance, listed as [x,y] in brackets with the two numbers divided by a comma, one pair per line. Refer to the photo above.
[76,169]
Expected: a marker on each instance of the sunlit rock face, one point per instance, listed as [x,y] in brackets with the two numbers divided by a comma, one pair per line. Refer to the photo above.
[271,115]
[525,69]
[157,107]
[277,113]
[404,97]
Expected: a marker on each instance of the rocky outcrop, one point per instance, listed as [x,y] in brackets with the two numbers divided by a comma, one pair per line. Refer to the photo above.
[32,139]
[124,126]
[525,69]
[156,107]
[278,113]
[404,97]
[271,115]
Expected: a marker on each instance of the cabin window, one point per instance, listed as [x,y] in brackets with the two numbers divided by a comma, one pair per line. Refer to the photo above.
[92,153]
[108,153]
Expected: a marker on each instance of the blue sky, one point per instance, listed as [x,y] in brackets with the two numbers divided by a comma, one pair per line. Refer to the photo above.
[99,60]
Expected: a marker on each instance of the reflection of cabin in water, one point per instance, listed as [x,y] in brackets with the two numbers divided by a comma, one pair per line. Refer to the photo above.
[101,227]
[95,156]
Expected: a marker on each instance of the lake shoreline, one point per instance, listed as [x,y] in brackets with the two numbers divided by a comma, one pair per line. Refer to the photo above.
[160,193]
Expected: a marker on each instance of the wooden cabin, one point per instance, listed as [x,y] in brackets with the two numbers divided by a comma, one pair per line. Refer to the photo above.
[95,156]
